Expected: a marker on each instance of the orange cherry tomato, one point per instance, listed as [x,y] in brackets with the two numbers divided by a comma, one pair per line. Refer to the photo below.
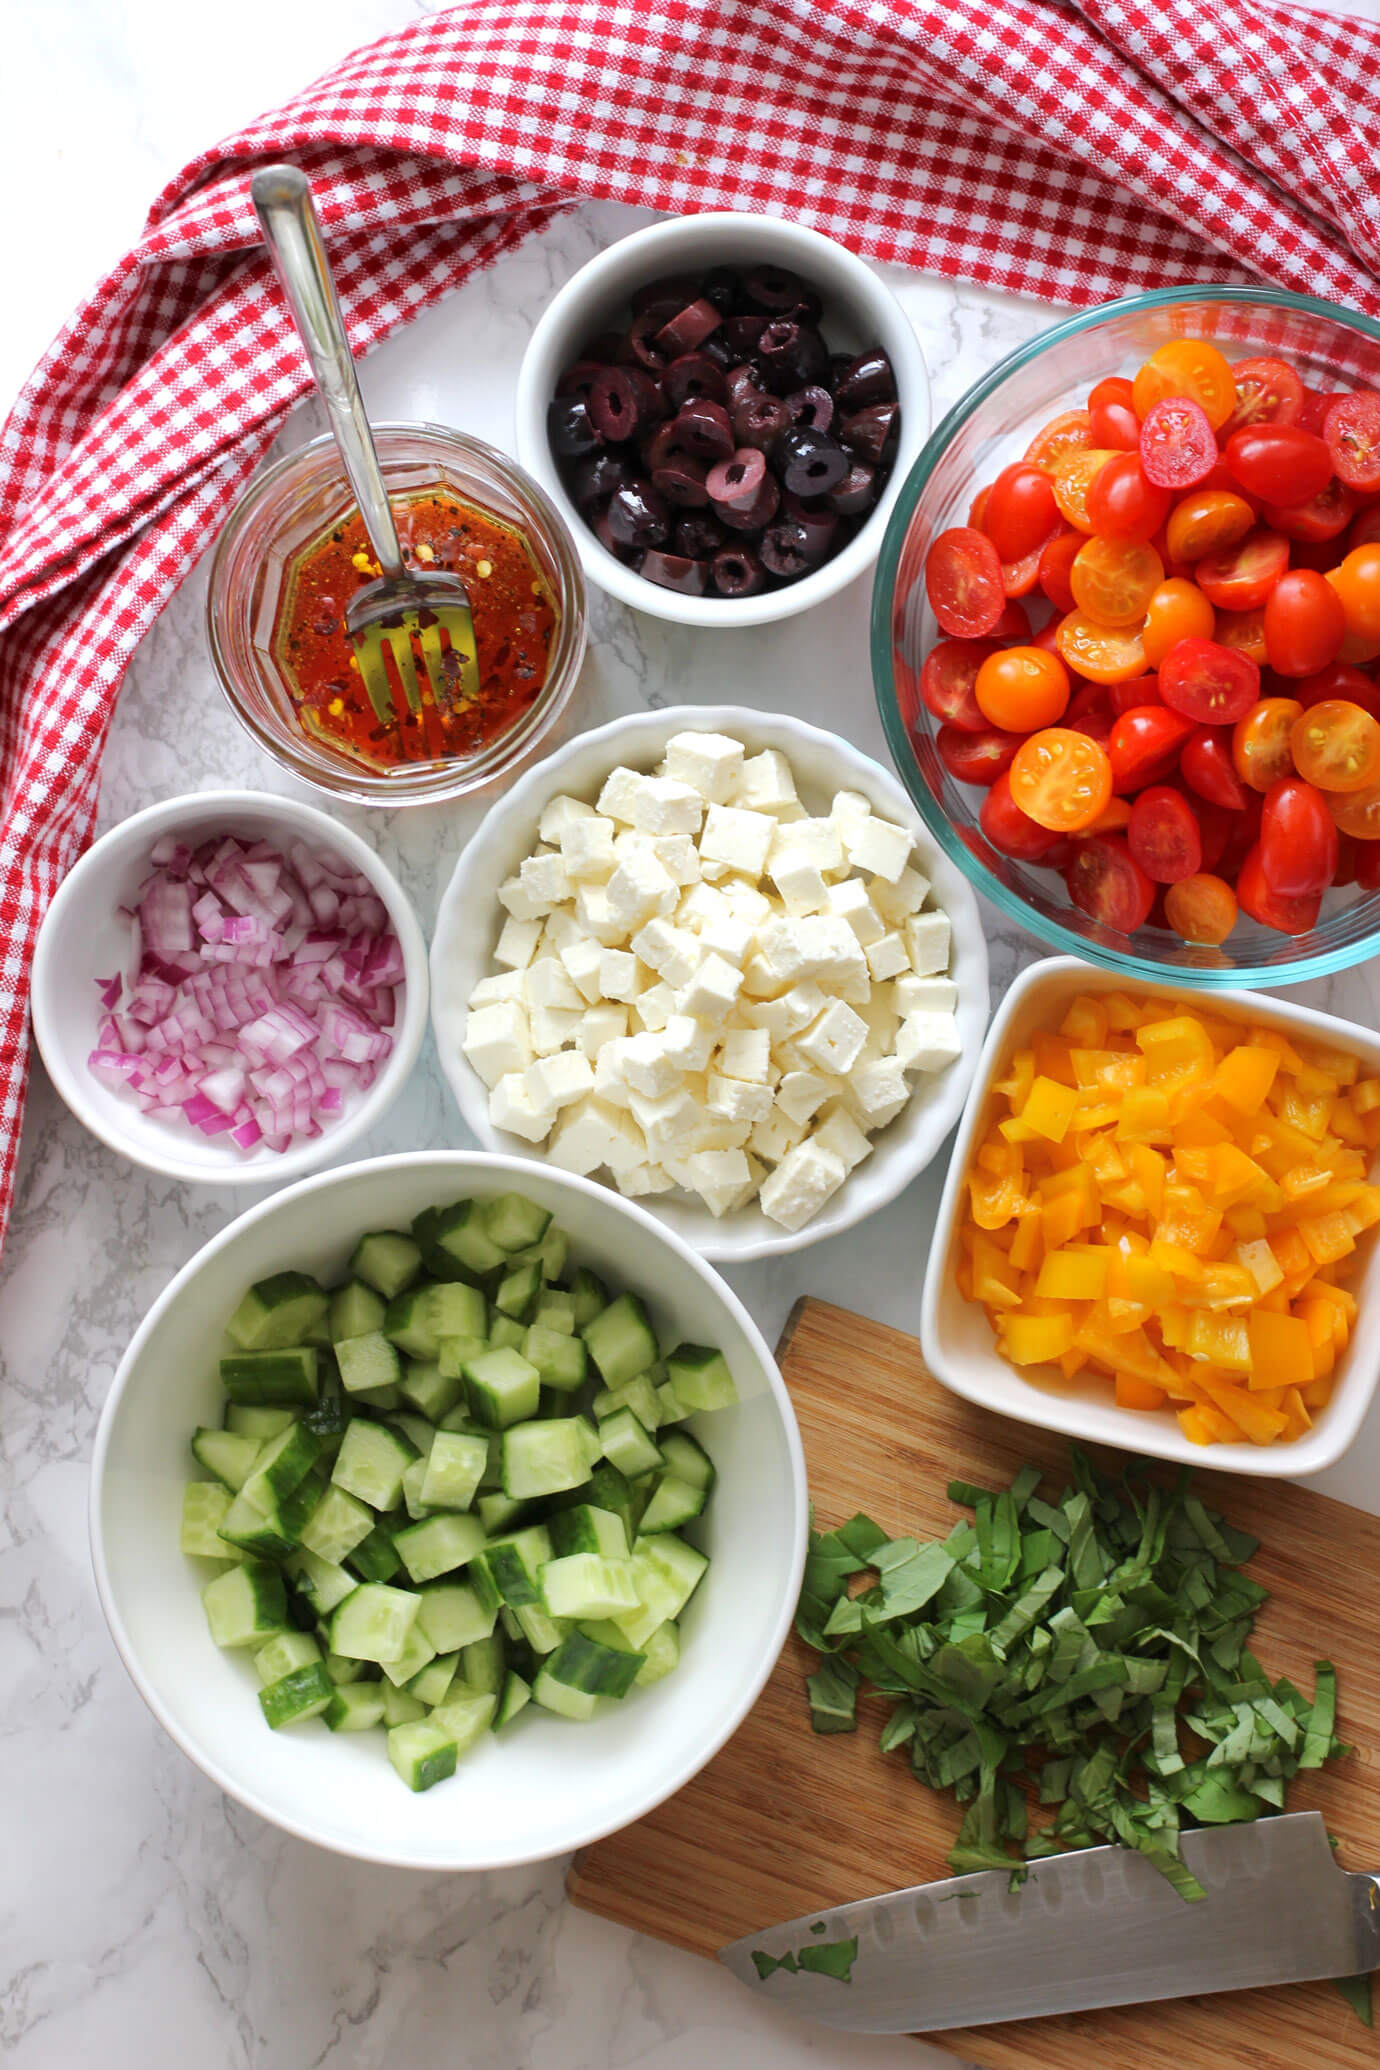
[1102,653]
[1260,751]
[1061,779]
[1336,745]
[1113,580]
[1201,909]
[1175,610]
[1074,474]
[1114,817]
[1240,577]
[1061,435]
[1206,521]
[1022,688]
[1244,633]
[1356,813]
[1189,367]
[1357,583]
[1304,622]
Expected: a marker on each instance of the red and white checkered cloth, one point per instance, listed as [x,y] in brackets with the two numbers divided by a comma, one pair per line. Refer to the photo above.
[1075,149]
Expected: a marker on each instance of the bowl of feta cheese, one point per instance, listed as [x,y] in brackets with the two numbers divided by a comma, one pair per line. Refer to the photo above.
[710,957]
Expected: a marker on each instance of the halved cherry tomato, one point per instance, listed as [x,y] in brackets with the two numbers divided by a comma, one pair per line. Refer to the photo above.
[1061,435]
[1113,419]
[1243,632]
[1107,883]
[977,509]
[1201,909]
[1220,830]
[1242,576]
[1206,521]
[1352,431]
[1357,813]
[1102,653]
[1177,445]
[1018,578]
[963,582]
[1144,746]
[978,758]
[1267,392]
[1177,610]
[1209,683]
[1113,580]
[1323,517]
[1022,688]
[1061,779]
[1163,835]
[1014,623]
[1336,745]
[1127,697]
[1304,623]
[1113,818]
[1187,367]
[1357,583]
[1298,841]
[1074,474]
[1260,742]
[1021,511]
[1272,908]
[947,682]
[1122,503]
[1316,404]
[1056,561]
[1339,679]
[1011,831]
[1205,765]
[1279,462]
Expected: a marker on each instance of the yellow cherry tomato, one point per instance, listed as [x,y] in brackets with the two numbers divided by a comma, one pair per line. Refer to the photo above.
[1356,812]
[1201,908]
[1102,653]
[1206,521]
[1022,688]
[1357,583]
[1336,745]
[1113,580]
[1191,367]
[1260,750]
[1175,610]
[1075,472]
[1061,435]
[1061,779]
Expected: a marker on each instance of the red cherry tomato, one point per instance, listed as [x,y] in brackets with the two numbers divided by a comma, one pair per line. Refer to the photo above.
[1352,431]
[1349,854]
[1011,831]
[1304,623]
[1107,883]
[1144,746]
[1339,680]
[1209,683]
[1128,697]
[1057,557]
[976,757]
[1123,504]
[1242,833]
[1323,517]
[1267,392]
[1273,908]
[1279,462]
[977,509]
[947,680]
[1014,623]
[1112,420]
[1216,829]
[1298,840]
[1242,576]
[1316,403]
[1018,578]
[963,582]
[1163,835]
[1205,765]
[1365,529]
[1367,865]
[1021,511]
[1178,446]
[1047,638]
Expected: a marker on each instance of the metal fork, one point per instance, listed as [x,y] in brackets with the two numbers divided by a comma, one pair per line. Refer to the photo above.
[405,613]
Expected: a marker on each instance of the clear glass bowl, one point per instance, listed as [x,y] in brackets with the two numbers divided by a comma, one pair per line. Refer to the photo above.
[990,427]
[296,499]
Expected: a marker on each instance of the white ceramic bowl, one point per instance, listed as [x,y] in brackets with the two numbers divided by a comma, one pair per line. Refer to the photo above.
[83,938]
[548,1786]
[859,310]
[469,918]
[957,1337]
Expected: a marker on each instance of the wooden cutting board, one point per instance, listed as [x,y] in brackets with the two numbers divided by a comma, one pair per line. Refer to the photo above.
[783,1822]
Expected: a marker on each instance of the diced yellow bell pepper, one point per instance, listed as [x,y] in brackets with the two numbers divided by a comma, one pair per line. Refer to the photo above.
[1129,1352]
[1317,1319]
[1236,1177]
[1297,1420]
[1134,1276]
[1294,1257]
[994,1200]
[1244,1077]
[1337,1298]
[1347,1124]
[1177,1052]
[1224,1285]
[1085,1022]
[1365,1098]
[1053,1058]
[1309,1116]
[1076,1273]
[1036,1340]
[1173,1257]
[1313,1083]
[1149,1169]
[1327,1237]
[1107,1070]
[1318,1393]
[1195,1426]
[1364,1211]
[1187,1220]
[1071,1363]
[1048,1108]
[1144,1116]
[1132,1393]
[1019,1078]
[1341,1067]
[1220,1339]
[1261,1425]
[1281,1350]
[1261,1262]
[1123,1014]
[1027,1242]
[995,1281]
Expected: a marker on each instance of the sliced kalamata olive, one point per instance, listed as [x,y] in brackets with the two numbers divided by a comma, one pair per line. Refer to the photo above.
[580,377]
[678,288]
[750,517]
[605,348]
[867,432]
[812,405]
[691,376]
[724,288]
[603,532]
[737,572]
[809,462]
[716,348]
[638,516]
[673,571]
[597,476]
[759,420]
[698,536]
[740,334]
[736,481]
[817,519]
[569,428]
[857,492]
[643,346]
[664,444]
[704,429]
[866,379]
[681,481]
[785,550]
[781,293]
[688,329]
[623,401]
[792,355]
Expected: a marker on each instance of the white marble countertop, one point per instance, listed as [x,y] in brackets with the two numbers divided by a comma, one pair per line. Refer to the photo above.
[144,1920]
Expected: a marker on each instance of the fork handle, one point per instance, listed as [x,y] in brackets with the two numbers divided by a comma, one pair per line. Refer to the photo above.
[292,231]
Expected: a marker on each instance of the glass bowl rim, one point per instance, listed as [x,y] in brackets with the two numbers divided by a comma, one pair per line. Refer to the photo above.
[1053,933]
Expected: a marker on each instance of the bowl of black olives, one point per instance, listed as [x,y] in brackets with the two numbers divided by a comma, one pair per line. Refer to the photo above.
[723,408]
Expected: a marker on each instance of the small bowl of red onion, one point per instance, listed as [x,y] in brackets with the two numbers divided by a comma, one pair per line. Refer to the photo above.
[229,988]
[723,408]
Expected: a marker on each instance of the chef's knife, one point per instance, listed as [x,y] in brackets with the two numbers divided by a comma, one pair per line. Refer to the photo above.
[1096,1927]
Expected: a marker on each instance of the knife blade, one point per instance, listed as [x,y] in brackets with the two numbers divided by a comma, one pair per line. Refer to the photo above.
[1099,1926]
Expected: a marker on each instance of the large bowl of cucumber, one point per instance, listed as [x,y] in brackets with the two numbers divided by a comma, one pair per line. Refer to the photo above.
[448,1512]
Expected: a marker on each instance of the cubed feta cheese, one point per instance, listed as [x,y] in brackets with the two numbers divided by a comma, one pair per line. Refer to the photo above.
[738,839]
[776,1137]
[799,882]
[647,1067]
[620,788]
[546,881]
[801,1094]
[679,857]
[587,850]
[596,916]
[504,984]
[764,783]
[591,1135]
[832,1042]
[512,1107]
[849,805]
[727,936]
[698,905]
[906,895]
[672,952]
[517,943]
[497,1040]
[581,961]
[602,1024]
[663,805]
[927,1041]
[720,1177]
[638,888]
[804,1180]
[736,1100]
[547,982]
[820,946]
[760,981]
[559,1080]
[913,994]
[786,1016]
[668,1123]
[642,1179]
[927,943]
[745,1053]
[688,1042]
[655,1006]
[518,899]
[837,1131]
[887,958]
[621,976]
[559,930]
[877,846]
[816,839]
[708,762]
[849,901]
[560,813]
[552,1027]
[711,990]
[877,1091]
[609,1082]
[747,902]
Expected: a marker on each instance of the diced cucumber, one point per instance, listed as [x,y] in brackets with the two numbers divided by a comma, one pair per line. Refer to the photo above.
[408,1325]
[503,1388]
[431,1685]
[610,1489]
[508,1570]
[357,1707]
[549,1255]
[271,1532]
[457,1310]
[246,1605]
[560,1358]
[225,1454]
[456,1352]
[556,1311]
[368,1362]
[542,1632]
[454,1468]
[453,1618]
[400,1706]
[430,1391]
[667,1572]
[514,1697]
[282,1465]
[383,1398]
[670,1406]
[621,1341]
[205,1506]
[547,1458]
[582,1663]
[304,1693]
[338,1668]
[466,1715]
[687,1459]
[412,1491]
[674,1503]
[517,1291]
[439,1545]
[423,1754]
[372,1460]
[661,1650]
[319,1334]
[590,1296]
[272,1378]
[506,1333]
[387,1260]
[374,1623]
[639,1395]
[498,1513]
[247,1419]
[356,1311]
[459,1232]
[416,1654]
[587,1529]
[322,1582]
[375,1558]
[701,1378]
[564,1701]
[330,1413]
[584,1585]
[416,1429]
[277,1312]
[282,1654]
[628,1443]
[336,1526]
[482,1664]
[515,1223]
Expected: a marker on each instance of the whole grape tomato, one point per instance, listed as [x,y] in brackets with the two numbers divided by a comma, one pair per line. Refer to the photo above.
[1205,764]
[1305,623]
[1273,908]
[977,758]
[1020,512]
[1177,610]
[1123,503]
[1279,462]
[1298,839]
